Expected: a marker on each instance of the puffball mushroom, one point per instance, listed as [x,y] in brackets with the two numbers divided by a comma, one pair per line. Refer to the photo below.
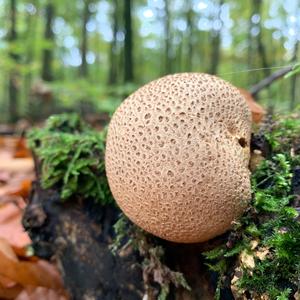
[177,156]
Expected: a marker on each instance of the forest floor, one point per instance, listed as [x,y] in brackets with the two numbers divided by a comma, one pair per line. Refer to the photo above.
[22,276]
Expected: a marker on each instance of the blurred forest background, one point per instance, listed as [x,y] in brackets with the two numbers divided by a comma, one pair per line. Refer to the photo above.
[87,55]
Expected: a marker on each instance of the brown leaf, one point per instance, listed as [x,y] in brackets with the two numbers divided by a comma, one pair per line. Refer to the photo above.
[27,273]
[23,190]
[257,111]
[21,150]
[16,165]
[40,293]
[262,253]
[10,292]
[11,228]
[247,260]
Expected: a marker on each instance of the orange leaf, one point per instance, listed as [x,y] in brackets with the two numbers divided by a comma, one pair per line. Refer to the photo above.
[16,165]
[21,150]
[11,228]
[27,273]
[257,111]
[6,282]
[41,293]
[11,292]
[22,190]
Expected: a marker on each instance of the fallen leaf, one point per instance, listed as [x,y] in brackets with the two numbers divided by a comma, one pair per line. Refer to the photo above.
[27,273]
[11,228]
[253,244]
[40,293]
[21,277]
[257,111]
[237,293]
[247,260]
[11,292]
[262,253]
[6,282]
[23,190]
[16,165]
[21,150]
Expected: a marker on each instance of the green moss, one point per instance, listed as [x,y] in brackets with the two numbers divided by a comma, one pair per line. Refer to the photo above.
[269,232]
[71,156]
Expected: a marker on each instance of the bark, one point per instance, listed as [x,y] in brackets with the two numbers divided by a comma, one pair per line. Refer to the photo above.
[47,72]
[112,78]
[216,45]
[31,30]
[83,70]
[179,62]
[13,90]
[257,4]
[76,236]
[250,47]
[128,43]
[294,78]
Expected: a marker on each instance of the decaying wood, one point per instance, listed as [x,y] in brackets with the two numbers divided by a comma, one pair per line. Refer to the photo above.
[76,235]
[77,240]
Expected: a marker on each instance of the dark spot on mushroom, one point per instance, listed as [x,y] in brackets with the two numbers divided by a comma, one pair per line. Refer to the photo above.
[242,142]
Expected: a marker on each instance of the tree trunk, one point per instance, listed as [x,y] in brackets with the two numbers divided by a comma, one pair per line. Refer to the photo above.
[168,61]
[216,45]
[250,47]
[190,29]
[260,45]
[31,39]
[13,75]
[47,72]
[294,78]
[83,70]
[128,43]
[294,60]
[113,64]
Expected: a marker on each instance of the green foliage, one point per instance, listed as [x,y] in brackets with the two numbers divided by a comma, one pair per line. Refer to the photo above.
[266,239]
[120,228]
[284,132]
[106,60]
[71,155]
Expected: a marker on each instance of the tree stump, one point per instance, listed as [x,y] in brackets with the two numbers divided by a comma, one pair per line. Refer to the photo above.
[76,235]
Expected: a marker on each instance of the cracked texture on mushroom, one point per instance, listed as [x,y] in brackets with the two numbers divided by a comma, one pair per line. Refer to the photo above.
[177,156]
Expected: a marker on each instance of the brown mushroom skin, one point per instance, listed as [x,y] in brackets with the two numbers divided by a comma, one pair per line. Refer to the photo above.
[177,156]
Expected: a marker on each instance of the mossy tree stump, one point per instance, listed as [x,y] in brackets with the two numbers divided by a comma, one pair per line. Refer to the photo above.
[72,222]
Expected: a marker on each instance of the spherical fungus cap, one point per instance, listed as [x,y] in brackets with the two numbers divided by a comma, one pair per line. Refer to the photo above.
[177,156]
